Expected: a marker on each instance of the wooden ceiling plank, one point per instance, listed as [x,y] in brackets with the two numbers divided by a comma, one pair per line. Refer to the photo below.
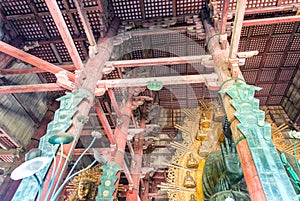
[269,21]
[24,106]
[85,22]
[33,60]
[30,88]
[64,32]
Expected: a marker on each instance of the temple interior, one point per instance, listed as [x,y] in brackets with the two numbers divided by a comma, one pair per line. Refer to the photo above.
[149,100]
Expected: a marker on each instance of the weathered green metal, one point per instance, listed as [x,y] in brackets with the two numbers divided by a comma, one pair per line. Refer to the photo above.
[62,121]
[61,138]
[108,180]
[272,174]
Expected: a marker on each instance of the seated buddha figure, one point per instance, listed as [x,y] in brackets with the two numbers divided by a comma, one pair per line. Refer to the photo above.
[192,162]
[86,184]
[192,198]
[189,181]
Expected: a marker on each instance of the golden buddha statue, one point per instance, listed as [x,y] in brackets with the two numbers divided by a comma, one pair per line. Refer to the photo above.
[205,122]
[189,181]
[192,162]
[192,198]
[86,184]
[201,135]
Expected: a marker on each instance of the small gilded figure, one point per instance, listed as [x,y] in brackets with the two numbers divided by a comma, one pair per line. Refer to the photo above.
[189,181]
[192,162]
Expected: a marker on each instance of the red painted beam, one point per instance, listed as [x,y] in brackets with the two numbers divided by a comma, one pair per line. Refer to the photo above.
[104,122]
[64,32]
[136,169]
[30,88]
[237,28]
[16,71]
[275,20]
[33,60]
[94,67]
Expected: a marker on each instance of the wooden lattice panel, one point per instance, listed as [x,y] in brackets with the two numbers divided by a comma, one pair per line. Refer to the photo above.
[283,28]
[295,43]
[7,159]
[158,39]
[63,52]
[266,88]
[177,70]
[280,88]
[257,43]
[292,59]
[262,100]
[177,37]
[40,5]
[252,63]
[93,16]
[127,10]
[69,24]
[290,2]
[80,47]
[86,3]
[279,43]
[158,8]
[267,75]
[274,100]
[44,52]
[273,60]
[49,77]
[51,26]
[195,49]
[261,30]
[286,74]
[28,28]
[189,7]
[161,51]
[242,44]
[13,7]
[245,31]
[7,141]
[250,76]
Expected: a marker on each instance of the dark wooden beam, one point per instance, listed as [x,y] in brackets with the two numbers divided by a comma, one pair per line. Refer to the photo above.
[33,60]
[30,88]
[142,4]
[174,8]
[64,32]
